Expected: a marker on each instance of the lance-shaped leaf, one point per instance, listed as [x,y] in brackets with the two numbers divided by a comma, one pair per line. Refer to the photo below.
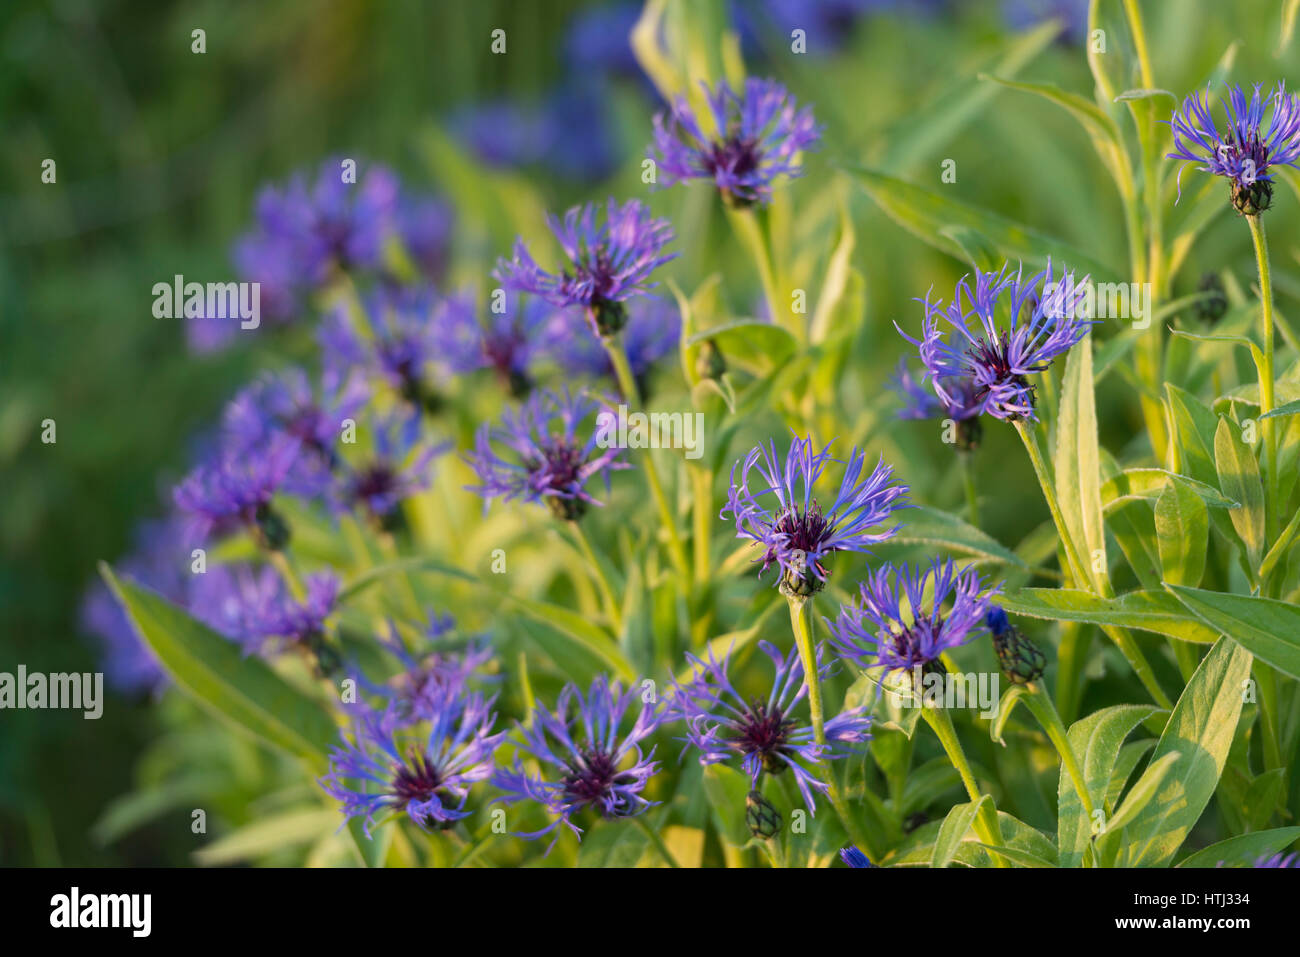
[1144,610]
[1239,479]
[1077,462]
[1269,629]
[1182,534]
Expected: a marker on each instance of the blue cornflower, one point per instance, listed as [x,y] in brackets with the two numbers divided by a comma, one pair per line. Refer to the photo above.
[287,621]
[429,673]
[1277,860]
[159,560]
[509,342]
[606,263]
[231,491]
[1040,322]
[546,452]
[237,600]
[722,724]
[587,761]
[503,134]
[287,403]
[424,224]
[402,341]
[1071,14]
[794,531]
[385,765]
[598,40]
[877,631]
[921,402]
[1245,151]
[756,136]
[399,467]
[852,857]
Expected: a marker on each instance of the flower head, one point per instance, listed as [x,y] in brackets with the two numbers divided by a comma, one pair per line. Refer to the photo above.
[547,452]
[1021,660]
[765,734]
[424,224]
[892,624]
[399,466]
[783,517]
[231,490]
[429,672]
[606,263]
[384,765]
[1245,151]
[1020,326]
[588,761]
[852,857]
[508,343]
[1277,860]
[757,136]
[653,331]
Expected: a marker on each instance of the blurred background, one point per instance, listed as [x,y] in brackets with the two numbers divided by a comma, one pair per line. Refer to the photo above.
[160,154]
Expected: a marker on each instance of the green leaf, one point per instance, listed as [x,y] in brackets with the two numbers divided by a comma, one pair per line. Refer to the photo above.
[613,844]
[215,672]
[1244,849]
[1182,534]
[1148,484]
[267,835]
[1269,629]
[1017,856]
[1200,732]
[377,574]
[932,526]
[727,790]
[1194,426]
[1143,792]
[931,217]
[1096,742]
[1077,462]
[1290,408]
[1145,610]
[955,827]
[1239,479]
[748,340]
[593,644]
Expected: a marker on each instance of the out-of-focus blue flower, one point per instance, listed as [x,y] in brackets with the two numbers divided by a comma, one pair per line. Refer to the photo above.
[509,342]
[598,40]
[587,761]
[382,765]
[827,24]
[875,630]
[231,490]
[756,136]
[286,403]
[921,402]
[398,467]
[1072,14]
[424,224]
[607,263]
[1245,151]
[584,149]
[1277,860]
[287,621]
[722,724]
[503,134]
[852,857]
[237,601]
[653,331]
[783,517]
[1039,320]
[159,560]
[546,452]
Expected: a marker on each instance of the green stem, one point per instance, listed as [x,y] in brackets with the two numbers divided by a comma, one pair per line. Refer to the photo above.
[598,573]
[702,490]
[1040,703]
[986,822]
[656,840]
[627,384]
[750,232]
[291,580]
[965,460]
[800,624]
[1266,401]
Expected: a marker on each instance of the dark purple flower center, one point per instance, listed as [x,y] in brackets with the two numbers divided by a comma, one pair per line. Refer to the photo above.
[734,155]
[418,780]
[374,484]
[592,777]
[765,733]
[1233,154]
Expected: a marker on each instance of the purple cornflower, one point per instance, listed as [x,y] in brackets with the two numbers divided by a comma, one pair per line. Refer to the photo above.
[398,468]
[158,560]
[852,857]
[876,631]
[414,692]
[287,404]
[403,342]
[794,531]
[384,766]
[757,136]
[921,402]
[722,724]
[589,762]
[508,342]
[1245,152]
[543,453]
[1040,321]
[606,263]
[1277,860]
[288,621]
[424,224]
[237,601]
[232,491]
[503,134]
